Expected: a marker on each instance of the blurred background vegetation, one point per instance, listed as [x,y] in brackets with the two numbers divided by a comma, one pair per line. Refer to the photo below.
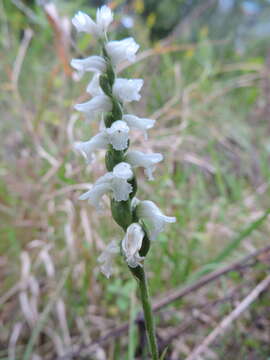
[206,67]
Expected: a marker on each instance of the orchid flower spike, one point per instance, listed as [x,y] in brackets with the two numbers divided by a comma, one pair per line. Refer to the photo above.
[131,245]
[147,161]
[152,215]
[114,182]
[109,96]
[106,258]
[84,23]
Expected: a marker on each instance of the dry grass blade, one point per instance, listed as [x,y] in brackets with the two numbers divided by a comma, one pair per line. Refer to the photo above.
[169,298]
[228,320]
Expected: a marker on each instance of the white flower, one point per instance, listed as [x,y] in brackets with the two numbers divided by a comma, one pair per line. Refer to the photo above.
[84,23]
[93,87]
[86,148]
[132,243]
[122,50]
[97,104]
[142,124]
[147,161]
[118,135]
[104,18]
[148,211]
[91,63]
[127,90]
[106,258]
[115,182]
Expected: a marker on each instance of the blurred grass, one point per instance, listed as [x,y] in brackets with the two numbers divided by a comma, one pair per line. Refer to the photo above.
[213,130]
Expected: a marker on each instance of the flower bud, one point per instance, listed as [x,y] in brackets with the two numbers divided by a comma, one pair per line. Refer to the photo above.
[131,245]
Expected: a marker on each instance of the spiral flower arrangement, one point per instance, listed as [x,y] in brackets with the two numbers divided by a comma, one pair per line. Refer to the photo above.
[141,220]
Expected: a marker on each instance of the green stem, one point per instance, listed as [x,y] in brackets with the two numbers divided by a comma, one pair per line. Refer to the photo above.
[148,314]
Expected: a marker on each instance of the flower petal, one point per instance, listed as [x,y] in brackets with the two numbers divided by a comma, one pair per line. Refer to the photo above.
[104,18]
[106,258]
[147,161]
[91,63]
[94,195]
[142,124]
[86,148]
[84,23]
[93,87]
[97,104]
[149,211]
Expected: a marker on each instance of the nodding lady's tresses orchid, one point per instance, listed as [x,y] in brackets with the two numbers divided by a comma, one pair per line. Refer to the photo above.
[108,96]
[141,221]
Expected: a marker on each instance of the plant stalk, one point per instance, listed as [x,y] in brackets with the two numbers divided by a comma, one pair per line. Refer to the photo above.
[148,314]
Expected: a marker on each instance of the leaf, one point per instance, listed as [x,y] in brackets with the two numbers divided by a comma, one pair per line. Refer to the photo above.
[233,245]
[163,354]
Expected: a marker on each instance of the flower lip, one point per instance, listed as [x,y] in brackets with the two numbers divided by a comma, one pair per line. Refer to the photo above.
[127,90]
[122,50]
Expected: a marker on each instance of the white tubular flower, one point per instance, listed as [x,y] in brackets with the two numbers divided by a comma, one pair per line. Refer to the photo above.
[142,124]
[95,194]
[148,211]
[93,87]
[99,103]
[147,161]
[92,63]
[118,135]
[115,182]
[127,90]
[86,148]
[84,23]
[106,258]
[131,245]
[104,18]
[122,50]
